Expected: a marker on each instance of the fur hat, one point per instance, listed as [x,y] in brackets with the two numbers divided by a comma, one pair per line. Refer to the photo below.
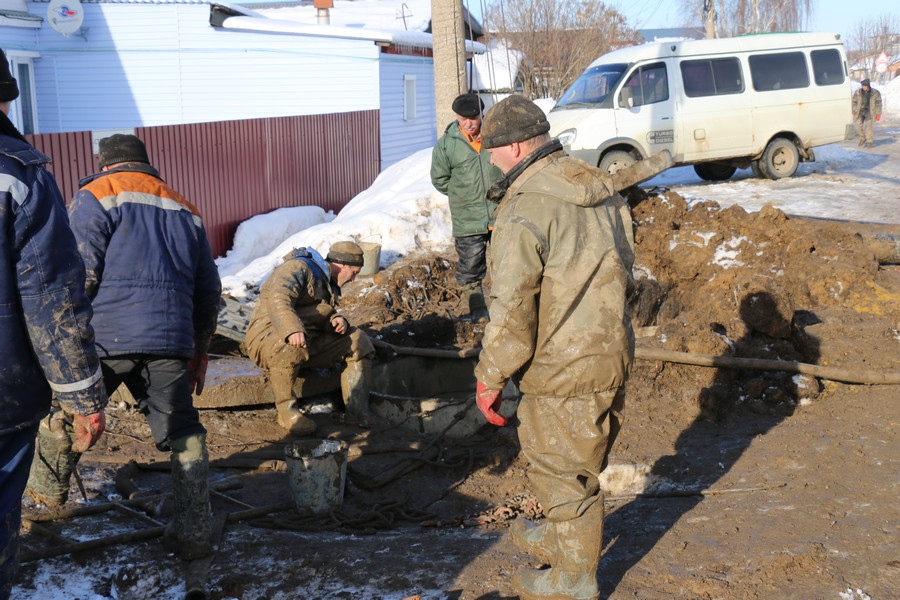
[513,119]
[345,253]
[468,105]
[9,89]
[122,148]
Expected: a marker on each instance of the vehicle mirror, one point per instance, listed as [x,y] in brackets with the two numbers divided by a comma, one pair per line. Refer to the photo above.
[625,98]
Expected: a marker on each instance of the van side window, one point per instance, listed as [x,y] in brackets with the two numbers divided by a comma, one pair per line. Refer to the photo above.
[782,71]
[712,77]
[827,67]
[649,84]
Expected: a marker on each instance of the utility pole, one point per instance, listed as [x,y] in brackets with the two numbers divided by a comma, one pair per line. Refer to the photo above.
[449,46]
[709,7]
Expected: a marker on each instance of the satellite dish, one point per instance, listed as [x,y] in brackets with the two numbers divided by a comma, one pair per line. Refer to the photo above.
[65,16]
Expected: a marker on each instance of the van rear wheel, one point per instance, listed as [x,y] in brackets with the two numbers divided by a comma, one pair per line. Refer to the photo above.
[780,159]
[616,161]
[714,171]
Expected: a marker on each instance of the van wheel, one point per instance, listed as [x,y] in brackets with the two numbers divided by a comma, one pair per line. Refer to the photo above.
[757,170]
[780,159]
[616,161]
[714,171]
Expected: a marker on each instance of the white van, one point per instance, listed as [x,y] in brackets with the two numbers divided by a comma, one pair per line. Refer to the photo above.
[761,100]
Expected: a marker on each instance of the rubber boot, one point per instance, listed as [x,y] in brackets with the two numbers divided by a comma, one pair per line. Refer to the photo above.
[356,380]
[478,311]
[538,539]
[188,533]
[289,416]
[573,575]
[54,461]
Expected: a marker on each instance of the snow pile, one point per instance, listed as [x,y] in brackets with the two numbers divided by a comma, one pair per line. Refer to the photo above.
[262,234]
[401,211]
[890,97]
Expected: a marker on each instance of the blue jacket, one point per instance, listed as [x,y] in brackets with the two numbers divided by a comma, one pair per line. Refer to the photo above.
[150,271]
[46,340]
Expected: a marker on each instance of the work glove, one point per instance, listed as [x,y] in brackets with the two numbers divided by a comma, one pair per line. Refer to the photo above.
[488,402]
[197,367]
[88,429]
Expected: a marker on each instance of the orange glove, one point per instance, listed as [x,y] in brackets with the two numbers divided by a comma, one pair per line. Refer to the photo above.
[197,371]
[88,429]
[488,402]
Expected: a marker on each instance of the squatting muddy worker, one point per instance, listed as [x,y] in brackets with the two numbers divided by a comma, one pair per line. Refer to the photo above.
[561,259]
[866,106]
[295,325]
[46,341]
[463,171]
[155,292]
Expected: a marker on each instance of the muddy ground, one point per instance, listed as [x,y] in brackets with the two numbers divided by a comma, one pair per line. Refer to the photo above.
[725,483]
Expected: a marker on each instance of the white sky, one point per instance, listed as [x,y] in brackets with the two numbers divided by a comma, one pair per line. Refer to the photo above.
[840,16]
[405,213]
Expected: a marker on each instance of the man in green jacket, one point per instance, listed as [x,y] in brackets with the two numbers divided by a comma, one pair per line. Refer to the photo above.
[462,171]
[561,259]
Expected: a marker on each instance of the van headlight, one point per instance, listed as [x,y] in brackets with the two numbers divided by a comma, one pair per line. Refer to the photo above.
[567,137]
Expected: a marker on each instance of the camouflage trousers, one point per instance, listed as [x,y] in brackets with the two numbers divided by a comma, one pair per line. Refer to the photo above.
[567,443]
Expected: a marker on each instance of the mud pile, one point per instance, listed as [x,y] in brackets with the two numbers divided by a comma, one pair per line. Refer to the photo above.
[712,281]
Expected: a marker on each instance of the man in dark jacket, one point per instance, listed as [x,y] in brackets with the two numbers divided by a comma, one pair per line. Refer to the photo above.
[866,106]
[46,341]
[155,292]
[462,171]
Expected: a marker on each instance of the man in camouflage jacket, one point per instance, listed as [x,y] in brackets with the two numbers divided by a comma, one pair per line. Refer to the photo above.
[561,259]
[295,325]
[866,107]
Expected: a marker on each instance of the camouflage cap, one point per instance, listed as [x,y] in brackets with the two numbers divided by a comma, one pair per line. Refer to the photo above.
[345,253]
[513,119]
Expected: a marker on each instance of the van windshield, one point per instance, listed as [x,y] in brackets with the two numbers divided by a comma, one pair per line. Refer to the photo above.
[592,87]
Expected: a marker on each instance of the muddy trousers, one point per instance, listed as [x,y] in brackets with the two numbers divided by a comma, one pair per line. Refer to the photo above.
[567,443]
[16,452]
[865,129]
[282,362]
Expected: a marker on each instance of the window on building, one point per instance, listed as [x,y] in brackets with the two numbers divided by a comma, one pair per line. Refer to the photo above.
[23,112]
[409,97]
[781,71]
[712,77]
[828,68]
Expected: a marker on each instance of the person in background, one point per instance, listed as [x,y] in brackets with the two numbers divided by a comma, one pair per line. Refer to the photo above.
[295,325]
[462,171]
[866,107]
[155,291]
[46,341]
[561,260]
